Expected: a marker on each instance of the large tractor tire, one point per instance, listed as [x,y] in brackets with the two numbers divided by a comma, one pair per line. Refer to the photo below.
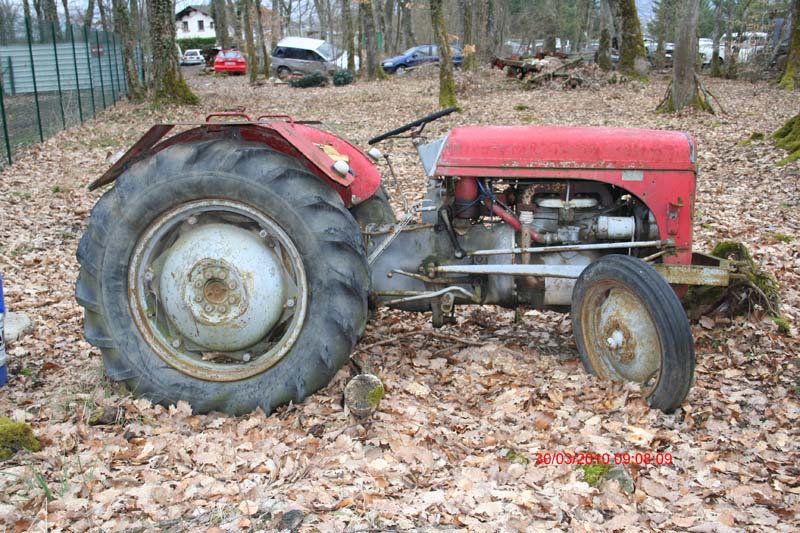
[224,274]
[629,325]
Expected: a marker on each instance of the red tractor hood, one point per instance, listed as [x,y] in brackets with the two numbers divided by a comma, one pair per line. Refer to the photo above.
[515,150]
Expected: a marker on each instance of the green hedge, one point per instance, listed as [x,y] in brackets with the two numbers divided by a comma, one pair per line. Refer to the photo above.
[196,42]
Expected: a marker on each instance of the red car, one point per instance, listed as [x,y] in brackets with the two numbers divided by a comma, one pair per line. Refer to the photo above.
[232,61]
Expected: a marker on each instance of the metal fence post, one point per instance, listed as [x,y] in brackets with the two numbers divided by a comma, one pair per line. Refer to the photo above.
[89,66]
[122,82]
[77,78]
[5,123]
[58,75]
[111,72]
[11,76]
[33,75]
[100,64]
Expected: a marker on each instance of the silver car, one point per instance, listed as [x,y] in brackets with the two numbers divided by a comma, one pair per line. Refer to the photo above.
[301,56]
[192,57]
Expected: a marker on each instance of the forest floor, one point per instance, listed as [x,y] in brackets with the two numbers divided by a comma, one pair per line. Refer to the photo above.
[467,407]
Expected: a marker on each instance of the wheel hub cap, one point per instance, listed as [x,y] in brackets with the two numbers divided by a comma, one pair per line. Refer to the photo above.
[221,287]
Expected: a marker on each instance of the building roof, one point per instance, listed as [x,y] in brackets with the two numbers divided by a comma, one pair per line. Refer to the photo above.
[205,10]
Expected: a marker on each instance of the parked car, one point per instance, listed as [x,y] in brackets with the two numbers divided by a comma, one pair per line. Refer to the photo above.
[192,57]
[301,56]
[419,55]
[231,61]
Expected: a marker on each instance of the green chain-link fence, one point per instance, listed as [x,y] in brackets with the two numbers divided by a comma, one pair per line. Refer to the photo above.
[52,78]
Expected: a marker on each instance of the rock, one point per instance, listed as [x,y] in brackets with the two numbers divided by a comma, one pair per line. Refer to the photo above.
[620,473]
[16,436]
[291,520]
[16,325]
[363,395]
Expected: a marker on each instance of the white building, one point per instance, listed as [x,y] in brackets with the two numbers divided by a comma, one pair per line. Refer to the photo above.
[193,22]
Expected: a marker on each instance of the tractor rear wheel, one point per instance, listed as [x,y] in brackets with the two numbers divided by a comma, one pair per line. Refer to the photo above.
[224,274]
[629,325]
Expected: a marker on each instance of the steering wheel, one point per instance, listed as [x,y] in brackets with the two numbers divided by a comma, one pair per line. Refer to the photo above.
[411,125]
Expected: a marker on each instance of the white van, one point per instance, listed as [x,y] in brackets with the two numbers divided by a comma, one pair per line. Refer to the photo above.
[302,55]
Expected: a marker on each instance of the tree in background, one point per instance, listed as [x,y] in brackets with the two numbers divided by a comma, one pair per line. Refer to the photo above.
[252,58]
[447,85]
[716,60]
[219,13]
[167,84]
[122,26]
[470,61]
[685,90]
[262,43]
[349,36]
[632,54]
[603,58]
[367,17]
[790,77]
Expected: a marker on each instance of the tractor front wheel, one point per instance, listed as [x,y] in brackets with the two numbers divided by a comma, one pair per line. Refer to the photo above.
[629,325]
[224,274]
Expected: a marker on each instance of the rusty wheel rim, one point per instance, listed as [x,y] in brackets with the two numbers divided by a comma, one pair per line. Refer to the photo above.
[218,290]
[621,338]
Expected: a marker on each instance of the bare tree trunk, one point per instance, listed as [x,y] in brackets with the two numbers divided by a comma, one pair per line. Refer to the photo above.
[262,43]
[447,85]
[686,89]
[252,58]
[349,46]
[233,17]
[408,29]
[716,64]
[790,78]
[65,5]
[368,23]
[684,86]
[492,42]
[632,54]
[468,35]
[51,16]
[103,19]
[168,85]
[40,20]
[730,53]
[388,32]
[122,26]
[323,24]
[603,57]
[88,18]
[221,23]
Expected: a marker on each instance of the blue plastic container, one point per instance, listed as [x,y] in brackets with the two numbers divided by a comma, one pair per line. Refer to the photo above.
[3,359]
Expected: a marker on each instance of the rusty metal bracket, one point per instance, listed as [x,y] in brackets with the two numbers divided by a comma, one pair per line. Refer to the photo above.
[153,135]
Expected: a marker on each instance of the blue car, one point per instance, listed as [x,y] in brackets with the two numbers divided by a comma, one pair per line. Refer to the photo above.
[418,55]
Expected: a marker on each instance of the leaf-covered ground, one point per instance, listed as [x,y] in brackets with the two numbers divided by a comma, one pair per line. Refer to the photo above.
[467,408]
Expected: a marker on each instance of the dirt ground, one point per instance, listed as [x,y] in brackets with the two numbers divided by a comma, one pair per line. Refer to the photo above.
[467,409]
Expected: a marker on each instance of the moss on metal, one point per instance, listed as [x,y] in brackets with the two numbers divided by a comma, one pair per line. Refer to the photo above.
[15,436]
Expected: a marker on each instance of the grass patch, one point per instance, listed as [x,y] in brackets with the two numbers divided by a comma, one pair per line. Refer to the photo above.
[516,457]
[521,107]
[594,474]
[782,237]
[784,327]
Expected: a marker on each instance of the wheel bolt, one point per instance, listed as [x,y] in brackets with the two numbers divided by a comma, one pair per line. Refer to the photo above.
[148,276]
[207,274]
[263,234]
[198,284]
[232,300]
[208,308]
[290,302]
[176,343]
[232,285]
[246,357]
[222,309]
[198,298]
[192,221]
[222,274]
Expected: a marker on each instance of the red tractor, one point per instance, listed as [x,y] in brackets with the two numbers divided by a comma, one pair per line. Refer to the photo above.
[234,264]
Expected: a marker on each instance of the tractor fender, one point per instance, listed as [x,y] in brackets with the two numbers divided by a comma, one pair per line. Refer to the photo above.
[316,148]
